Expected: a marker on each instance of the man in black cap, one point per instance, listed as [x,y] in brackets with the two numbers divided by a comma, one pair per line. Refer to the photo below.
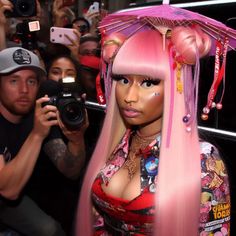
[21,141]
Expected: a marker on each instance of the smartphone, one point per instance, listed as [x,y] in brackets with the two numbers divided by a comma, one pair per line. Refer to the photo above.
[94,8]
[57,35]
[67,3]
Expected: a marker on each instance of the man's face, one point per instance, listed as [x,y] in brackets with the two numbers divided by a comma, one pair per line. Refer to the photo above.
[89,48]
[18,91]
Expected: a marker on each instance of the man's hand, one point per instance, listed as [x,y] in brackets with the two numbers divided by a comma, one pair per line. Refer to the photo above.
[44,117]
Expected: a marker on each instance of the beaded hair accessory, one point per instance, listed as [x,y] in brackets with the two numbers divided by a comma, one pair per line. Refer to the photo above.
[184,84]
[219,75]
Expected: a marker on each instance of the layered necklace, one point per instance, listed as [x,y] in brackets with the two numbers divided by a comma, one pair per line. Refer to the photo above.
[138,143]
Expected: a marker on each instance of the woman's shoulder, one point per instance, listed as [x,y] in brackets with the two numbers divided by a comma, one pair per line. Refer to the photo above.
[211,160]
[208,149]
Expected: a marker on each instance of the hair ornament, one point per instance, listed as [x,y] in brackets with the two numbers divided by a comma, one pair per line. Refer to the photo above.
[219,75]
[177,66]
[164,32]
[110,46]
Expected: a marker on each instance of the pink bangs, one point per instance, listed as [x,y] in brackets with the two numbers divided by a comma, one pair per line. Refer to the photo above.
[141,55]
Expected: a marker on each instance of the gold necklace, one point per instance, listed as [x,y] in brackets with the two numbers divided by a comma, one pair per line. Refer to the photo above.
[138,143]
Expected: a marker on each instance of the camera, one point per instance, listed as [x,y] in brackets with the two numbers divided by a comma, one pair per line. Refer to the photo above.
[22,8]
[69,104]
[26,32]
[83,29]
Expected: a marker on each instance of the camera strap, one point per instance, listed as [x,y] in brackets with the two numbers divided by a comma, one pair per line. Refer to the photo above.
[100,94]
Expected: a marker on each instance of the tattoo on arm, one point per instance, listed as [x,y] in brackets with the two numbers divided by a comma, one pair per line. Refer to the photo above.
[62,158]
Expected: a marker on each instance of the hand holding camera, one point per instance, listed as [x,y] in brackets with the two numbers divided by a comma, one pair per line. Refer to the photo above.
[44,117]
[70,105]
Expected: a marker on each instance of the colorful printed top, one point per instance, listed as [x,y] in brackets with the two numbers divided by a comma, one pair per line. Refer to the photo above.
[117,216]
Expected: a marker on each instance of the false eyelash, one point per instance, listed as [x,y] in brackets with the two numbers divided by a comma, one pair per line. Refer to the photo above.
[117,77]
[153,81]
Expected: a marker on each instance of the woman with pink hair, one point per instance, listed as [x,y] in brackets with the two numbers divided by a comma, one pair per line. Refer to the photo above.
[150,174]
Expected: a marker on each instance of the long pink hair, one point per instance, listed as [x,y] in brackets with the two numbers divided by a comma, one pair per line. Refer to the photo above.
[179,174]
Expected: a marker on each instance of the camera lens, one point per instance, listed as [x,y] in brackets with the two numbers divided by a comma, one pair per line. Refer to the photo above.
[71,113]
[83,28]
[24,8]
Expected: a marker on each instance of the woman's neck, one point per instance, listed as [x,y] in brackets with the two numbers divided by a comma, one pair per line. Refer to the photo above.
[150,129]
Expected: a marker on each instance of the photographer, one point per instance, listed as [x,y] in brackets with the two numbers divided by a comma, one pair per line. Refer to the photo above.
[56,178]
[66,152]
[17,13]
[22,135]
[82,25]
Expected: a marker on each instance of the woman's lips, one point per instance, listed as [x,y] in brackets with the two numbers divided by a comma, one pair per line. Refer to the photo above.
[130,113]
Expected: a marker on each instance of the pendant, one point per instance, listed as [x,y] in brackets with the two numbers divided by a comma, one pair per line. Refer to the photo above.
[151,164]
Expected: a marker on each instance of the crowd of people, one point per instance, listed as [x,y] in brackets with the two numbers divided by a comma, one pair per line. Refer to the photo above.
[98,176]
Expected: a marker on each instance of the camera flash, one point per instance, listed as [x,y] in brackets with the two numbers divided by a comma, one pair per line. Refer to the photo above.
[68,79]
[34,26]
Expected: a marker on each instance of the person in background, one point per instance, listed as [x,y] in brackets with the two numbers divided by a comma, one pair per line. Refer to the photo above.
[61,15]
[61,66]
[88,71]
[89,45]
[8,25]
[21,138]
[82,25]
[150,173]
[58,186]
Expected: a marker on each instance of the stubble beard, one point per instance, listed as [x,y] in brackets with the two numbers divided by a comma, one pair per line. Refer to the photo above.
[17,110]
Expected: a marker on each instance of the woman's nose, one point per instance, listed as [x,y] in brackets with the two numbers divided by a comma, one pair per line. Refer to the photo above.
[132,94]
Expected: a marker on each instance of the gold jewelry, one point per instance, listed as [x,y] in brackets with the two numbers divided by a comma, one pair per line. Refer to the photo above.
[138,143]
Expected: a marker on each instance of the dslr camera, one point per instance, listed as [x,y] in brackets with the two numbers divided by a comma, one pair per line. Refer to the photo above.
[69,104]
[26,31]
[23,8]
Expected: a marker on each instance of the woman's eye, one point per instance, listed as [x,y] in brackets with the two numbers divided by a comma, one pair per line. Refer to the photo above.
[121,79]
[149,83]
[55,72]
[124,81]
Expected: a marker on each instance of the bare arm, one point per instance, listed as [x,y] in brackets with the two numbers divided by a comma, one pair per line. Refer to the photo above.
[15,174]
[4,5]
[70,158]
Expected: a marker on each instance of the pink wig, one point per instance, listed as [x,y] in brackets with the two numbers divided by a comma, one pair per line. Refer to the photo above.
[179,175]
